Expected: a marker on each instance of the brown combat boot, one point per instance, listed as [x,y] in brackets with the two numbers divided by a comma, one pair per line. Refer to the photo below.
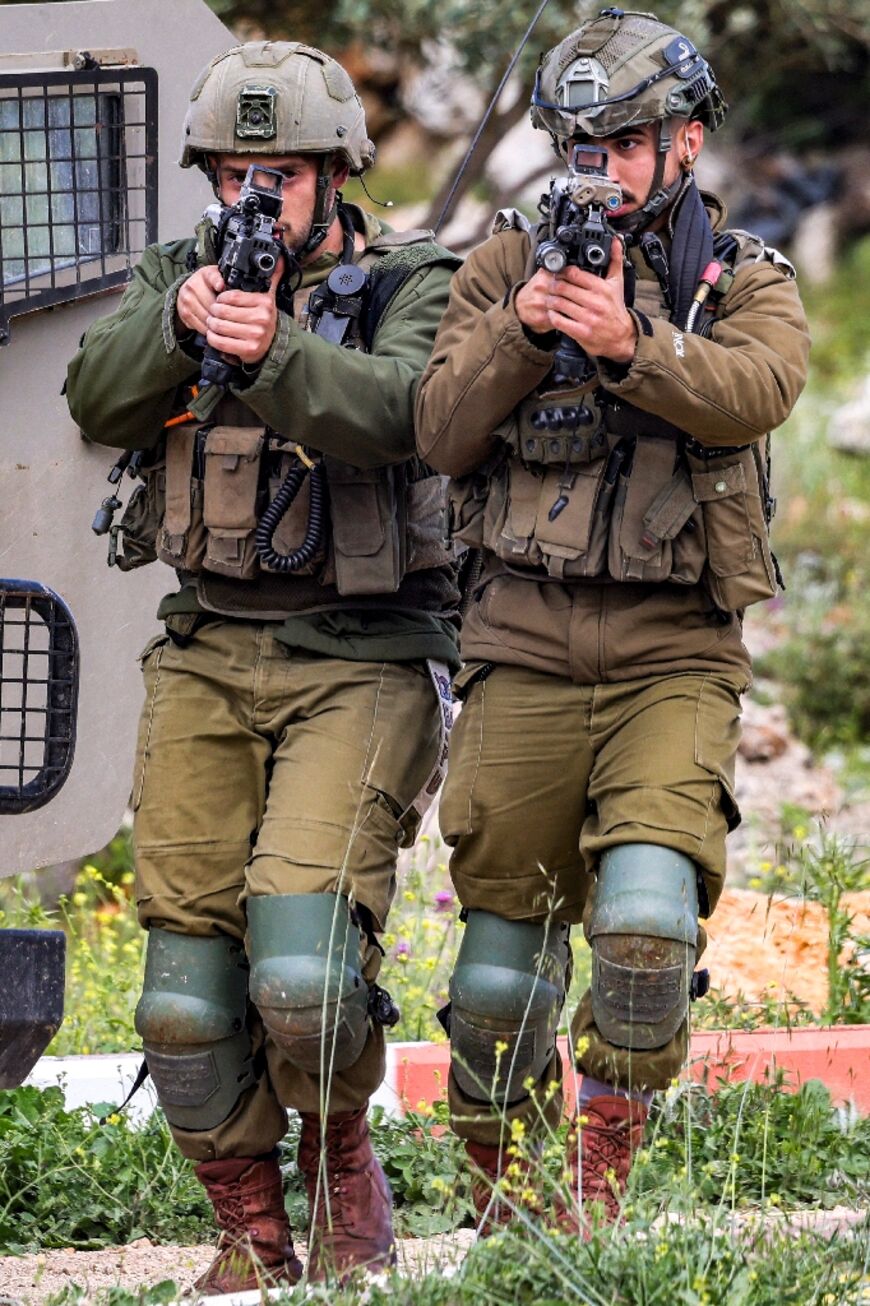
[350,1203]
[602,1141]
[255,1248]
[494,1202]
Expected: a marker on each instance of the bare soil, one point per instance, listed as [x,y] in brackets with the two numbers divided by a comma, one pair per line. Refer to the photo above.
[774,948]
[31,1280]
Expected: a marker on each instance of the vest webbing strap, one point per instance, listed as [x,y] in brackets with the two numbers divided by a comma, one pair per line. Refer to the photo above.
[691,251]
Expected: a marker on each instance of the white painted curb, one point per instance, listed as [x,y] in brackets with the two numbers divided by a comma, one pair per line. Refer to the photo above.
[109,1078]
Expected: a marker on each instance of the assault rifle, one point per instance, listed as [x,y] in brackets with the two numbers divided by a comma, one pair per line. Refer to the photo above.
[248,254]
[580,236]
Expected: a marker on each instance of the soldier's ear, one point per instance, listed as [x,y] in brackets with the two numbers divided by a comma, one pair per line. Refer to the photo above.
[692,142]
[340,172]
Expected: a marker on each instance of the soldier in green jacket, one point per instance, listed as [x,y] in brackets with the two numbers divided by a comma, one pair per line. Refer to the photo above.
[297,705]
[621,510]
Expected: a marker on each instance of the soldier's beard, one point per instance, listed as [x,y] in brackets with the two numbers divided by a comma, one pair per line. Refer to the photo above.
[630,205]
[294,237]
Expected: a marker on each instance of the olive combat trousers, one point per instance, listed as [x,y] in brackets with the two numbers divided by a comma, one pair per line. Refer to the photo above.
[544,776]
[261,771]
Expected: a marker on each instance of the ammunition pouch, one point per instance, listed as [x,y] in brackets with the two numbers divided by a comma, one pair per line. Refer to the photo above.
[218,480]
[623,497]
[732,489]
[368,512]
[137,529]
[181,540]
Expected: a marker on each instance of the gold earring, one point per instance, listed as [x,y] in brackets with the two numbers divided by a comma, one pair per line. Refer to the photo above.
[687,161]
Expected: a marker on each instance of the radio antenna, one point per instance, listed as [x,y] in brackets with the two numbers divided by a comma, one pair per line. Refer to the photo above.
[448,203]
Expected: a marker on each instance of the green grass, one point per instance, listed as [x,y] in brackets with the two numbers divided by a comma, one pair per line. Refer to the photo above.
[68,1181]
[689,1262]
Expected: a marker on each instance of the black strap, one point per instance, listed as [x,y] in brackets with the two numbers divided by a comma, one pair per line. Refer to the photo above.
[691,251]
[141,1076]
[387,277]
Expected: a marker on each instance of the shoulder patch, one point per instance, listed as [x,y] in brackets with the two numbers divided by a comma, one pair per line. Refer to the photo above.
[510,220]
[779,261]
[752,249]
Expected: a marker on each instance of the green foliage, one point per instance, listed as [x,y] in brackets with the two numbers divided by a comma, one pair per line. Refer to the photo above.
[821,533]
[822,664]
[424,1163]
[839,317]
[827,869]
[753,1144]
[66,1181]
[690,1261]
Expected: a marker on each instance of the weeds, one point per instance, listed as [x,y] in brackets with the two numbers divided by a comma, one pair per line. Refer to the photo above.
[748,1145]
[754,1144]
[66,1181]
[690,1262]
[824,868]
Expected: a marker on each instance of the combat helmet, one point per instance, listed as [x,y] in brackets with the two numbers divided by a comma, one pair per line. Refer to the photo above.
[621,69]
[275,97]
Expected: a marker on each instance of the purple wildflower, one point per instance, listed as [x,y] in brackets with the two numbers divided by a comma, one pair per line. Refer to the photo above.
[443,900]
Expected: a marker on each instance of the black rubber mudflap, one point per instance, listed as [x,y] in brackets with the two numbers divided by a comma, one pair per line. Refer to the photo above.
[31,998]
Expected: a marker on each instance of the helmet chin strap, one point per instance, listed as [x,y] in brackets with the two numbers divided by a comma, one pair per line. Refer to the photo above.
[659,197]
[323,217]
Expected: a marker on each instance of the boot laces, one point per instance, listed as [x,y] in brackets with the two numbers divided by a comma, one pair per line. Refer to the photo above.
[230,1215]
[606,1157]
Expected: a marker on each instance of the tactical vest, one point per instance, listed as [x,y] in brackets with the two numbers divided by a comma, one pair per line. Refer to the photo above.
[209,484]
[586,486]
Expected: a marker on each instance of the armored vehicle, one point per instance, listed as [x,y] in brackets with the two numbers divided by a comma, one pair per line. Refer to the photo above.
[91,95]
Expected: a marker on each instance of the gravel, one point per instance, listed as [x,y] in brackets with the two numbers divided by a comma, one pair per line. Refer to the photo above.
[33,1279]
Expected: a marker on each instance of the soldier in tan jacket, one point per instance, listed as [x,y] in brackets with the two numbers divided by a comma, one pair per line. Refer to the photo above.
[621,509]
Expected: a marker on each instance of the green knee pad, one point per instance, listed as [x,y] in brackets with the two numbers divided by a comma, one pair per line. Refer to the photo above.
[506,994]
[306,980]
[643,932]
[192,1020]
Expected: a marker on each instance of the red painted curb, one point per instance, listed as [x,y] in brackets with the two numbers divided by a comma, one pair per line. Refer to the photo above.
[838,1055]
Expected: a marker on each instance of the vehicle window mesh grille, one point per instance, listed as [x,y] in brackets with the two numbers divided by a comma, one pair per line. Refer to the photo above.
[78,183]
[39,668]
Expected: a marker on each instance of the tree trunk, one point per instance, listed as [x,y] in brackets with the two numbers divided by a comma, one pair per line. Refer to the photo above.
[499,125]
